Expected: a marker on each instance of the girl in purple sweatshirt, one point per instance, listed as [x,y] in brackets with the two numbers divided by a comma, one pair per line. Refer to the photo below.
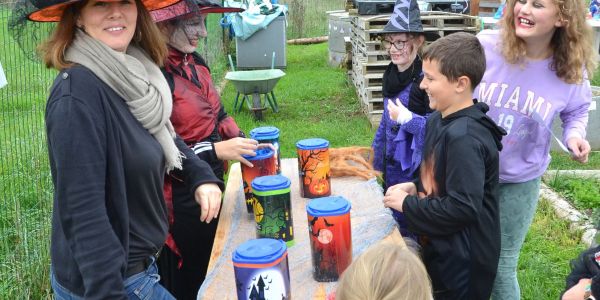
[537,68]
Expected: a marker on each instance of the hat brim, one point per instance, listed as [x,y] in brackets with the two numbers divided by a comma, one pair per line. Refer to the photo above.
[54,13]
[181,10]
[429,35]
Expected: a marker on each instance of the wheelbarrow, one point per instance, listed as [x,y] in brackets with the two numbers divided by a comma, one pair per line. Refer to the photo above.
[253,84]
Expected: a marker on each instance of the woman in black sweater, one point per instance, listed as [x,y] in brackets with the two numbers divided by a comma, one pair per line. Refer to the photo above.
[110,144]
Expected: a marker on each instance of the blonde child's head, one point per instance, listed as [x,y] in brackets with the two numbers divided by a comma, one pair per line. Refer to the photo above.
[385,272]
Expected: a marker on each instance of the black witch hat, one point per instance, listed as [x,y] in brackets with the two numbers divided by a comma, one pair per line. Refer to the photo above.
[406,18]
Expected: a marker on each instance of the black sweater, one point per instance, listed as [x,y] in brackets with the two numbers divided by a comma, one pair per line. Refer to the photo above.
[109,213]
[586,266]
[460,224]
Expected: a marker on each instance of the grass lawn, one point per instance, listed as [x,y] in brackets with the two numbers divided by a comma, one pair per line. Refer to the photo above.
[562,161]
[314,99]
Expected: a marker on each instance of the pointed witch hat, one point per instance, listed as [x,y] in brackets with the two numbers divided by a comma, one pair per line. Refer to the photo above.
[406,18]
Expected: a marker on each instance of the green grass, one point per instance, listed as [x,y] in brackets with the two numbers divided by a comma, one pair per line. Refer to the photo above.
[25,190]
[314,99]
[562,161]
[544,260]
[583,192]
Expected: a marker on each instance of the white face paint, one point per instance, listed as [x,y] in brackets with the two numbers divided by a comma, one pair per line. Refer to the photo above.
[187,33]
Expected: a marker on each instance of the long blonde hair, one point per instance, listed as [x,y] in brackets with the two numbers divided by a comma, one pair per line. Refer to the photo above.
[385,272]
[571,44]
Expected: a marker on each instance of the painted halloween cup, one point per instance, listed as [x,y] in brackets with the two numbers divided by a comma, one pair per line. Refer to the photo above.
[313,168]
[330,236]
[264,164]
[268,134]
[272,208]
[261,270]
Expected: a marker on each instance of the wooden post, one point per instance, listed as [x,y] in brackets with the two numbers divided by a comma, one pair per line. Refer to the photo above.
[474,7]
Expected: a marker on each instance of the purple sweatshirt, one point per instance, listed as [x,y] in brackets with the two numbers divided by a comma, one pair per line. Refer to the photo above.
[515,91]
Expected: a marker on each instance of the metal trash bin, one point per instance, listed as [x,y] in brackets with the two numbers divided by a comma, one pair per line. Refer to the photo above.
[339,27]
[256,52]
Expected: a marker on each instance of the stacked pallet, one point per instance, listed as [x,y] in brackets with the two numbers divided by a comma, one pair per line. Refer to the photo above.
[369,59]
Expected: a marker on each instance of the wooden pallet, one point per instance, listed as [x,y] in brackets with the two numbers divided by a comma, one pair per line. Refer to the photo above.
[428,18]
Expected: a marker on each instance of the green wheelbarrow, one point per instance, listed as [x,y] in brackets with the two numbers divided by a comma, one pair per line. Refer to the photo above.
[253,86]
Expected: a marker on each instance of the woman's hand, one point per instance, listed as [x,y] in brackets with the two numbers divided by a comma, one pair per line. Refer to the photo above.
[234,148]
[208,195]
[580,149]
[398,112]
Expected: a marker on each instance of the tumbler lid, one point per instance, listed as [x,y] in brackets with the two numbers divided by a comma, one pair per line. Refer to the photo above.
[328,206]
[259,251]
[311,144]
[264,133]
[270,183]
[261,153]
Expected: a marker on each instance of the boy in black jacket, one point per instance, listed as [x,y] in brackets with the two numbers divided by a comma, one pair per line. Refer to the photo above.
[454,203]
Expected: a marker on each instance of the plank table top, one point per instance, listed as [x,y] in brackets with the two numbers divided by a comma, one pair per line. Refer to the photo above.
[370,222]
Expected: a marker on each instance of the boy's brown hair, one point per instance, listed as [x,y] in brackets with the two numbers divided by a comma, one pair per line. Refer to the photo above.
[458,54]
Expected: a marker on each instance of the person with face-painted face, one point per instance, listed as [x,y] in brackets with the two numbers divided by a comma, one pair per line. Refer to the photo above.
[200,119]
[400,136]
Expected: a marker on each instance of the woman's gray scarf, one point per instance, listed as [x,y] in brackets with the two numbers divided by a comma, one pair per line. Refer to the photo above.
[136,79]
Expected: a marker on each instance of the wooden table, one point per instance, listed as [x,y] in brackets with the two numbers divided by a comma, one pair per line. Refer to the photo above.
[371,222]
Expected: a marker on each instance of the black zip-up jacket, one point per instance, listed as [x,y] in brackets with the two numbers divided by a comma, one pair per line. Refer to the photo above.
[460,223]
[107,169]
[586,266]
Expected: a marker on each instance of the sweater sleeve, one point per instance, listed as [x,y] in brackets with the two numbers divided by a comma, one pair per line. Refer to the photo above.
[464,184]
[78,150]
[417,126]
[575,115]
[195,171]
[379,143]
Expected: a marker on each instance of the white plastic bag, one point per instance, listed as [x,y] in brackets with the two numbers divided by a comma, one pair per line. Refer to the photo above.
[3,81]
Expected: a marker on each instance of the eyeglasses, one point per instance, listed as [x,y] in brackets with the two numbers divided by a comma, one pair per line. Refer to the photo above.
[399,45]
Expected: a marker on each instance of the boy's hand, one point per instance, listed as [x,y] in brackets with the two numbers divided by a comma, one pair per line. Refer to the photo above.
[398,112]
[394,199]
[208,195]
[580,149]
[577,291]
[408,187]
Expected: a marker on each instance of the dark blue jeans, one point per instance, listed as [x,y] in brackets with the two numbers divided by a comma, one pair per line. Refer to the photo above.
[143,285]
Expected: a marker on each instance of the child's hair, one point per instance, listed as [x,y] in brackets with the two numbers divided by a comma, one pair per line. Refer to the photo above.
[571,44]
[385,272]
[458,54]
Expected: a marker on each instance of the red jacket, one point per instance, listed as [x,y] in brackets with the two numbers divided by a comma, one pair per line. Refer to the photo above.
[198,113]
[200,119]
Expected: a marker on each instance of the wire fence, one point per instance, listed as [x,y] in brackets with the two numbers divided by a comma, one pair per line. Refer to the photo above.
[25,181]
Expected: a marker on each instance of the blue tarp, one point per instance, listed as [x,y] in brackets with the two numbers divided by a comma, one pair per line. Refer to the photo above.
[246,23]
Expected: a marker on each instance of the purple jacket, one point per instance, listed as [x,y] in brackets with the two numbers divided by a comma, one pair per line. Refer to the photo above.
[515,91]
[402,144]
